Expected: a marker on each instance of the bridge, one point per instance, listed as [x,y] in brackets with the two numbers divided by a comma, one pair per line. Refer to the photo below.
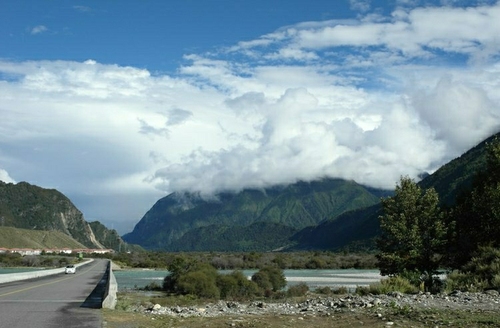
[57,299]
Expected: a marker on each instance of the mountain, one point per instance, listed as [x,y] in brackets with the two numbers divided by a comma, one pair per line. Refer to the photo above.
[111,239]
[357,229]
[257,236]
[456,176]
[188,222]
[30,207]
[37,239]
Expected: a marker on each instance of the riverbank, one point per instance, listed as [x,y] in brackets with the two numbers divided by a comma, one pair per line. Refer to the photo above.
[420,310]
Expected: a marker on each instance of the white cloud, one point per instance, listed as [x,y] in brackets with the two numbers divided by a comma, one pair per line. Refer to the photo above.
[458,112]
[84,9]
[5,177]
[412,32]
[360,5]
[38,29]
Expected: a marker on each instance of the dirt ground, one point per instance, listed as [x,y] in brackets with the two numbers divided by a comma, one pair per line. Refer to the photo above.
[348,319]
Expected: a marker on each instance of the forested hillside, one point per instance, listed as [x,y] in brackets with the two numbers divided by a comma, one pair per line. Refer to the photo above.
[357,229]
[187,222]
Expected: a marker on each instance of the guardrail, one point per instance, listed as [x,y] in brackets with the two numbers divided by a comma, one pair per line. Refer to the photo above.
[109,298]
[10,277]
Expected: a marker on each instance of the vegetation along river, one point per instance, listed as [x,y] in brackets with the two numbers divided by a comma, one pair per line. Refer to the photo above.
[349,278]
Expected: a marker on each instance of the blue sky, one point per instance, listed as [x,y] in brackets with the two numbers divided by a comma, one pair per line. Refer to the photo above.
[117,104]
[147,34]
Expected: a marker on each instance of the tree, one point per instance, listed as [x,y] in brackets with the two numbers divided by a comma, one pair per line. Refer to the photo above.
[476,215]
[413,232]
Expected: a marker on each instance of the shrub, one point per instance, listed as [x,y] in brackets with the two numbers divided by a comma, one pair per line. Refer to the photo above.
[190,277]
[236,286]
[340,290]
[324,290]
[152,286]
[464,282]
[392,284]
[298,290]
[270,278]
[332,291]
[200,283]
[480,273]
[261,278]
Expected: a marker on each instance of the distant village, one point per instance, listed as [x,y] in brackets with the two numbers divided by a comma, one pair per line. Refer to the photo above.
[64,251]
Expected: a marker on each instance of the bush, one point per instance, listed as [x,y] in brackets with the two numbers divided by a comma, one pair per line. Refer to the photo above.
[201,283]
[324,290]
[392,284]
[236,286]
[298,290]
[190,277]
[270,278]
[261,279]
[482,272]
[152,286]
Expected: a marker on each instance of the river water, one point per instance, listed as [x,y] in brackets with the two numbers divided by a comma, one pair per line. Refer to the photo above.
[349,278]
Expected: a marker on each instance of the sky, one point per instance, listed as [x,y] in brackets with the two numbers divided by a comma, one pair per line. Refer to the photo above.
[117,104]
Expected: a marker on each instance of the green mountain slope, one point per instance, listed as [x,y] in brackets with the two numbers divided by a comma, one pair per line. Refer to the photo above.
[257,236]
[23,238]
[457,175]
[295,206]
[362,225]
[30,207]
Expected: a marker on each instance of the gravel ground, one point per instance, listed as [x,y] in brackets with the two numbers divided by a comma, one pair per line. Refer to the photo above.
[463,310]
[488,301]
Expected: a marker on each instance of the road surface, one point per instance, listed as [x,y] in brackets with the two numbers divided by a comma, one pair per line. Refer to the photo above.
[63,300]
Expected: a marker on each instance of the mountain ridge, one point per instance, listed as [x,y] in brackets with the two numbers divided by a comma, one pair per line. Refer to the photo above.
[293,206]
[30,207]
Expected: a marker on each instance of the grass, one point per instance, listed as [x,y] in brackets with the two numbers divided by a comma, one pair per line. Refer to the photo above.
[372,317]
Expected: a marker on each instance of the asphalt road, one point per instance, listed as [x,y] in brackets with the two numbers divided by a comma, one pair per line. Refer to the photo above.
[63,300]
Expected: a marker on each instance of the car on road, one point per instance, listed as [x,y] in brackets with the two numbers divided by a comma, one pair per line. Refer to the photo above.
[70,269]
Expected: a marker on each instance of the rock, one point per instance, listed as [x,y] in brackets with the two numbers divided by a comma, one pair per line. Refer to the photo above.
[326,306]
[492,292]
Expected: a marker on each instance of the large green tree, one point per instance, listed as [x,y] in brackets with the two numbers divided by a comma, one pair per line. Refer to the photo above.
[476,216]
[413,232]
